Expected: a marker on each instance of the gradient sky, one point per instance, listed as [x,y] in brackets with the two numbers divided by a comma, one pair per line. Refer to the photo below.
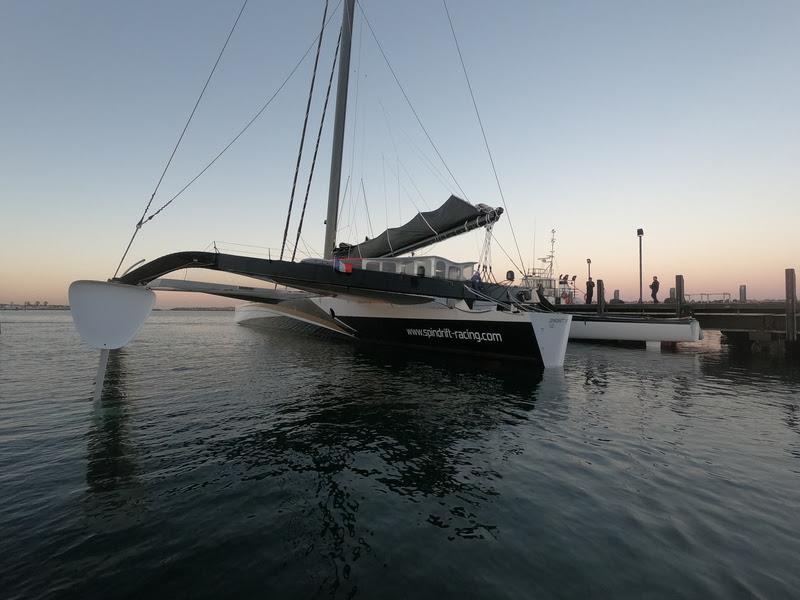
[679,117]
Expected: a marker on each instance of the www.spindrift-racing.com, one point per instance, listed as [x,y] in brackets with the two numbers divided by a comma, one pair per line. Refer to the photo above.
[447,333]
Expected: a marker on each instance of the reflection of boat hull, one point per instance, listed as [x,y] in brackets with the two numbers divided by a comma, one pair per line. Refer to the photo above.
[634,329]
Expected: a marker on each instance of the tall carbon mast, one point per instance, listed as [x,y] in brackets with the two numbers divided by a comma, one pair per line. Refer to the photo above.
[338,129]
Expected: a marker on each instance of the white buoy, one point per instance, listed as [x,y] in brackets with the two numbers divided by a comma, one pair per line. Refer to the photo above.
[108,316]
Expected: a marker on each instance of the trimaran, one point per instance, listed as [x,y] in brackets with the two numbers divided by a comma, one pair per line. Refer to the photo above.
[367,291]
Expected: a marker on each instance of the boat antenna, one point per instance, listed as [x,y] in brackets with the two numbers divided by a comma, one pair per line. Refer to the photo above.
[338,129]
[180,139]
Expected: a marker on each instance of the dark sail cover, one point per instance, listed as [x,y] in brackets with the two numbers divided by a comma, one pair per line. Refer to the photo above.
[454,217]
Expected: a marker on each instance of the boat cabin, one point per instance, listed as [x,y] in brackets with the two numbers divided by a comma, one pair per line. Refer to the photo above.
[420,266]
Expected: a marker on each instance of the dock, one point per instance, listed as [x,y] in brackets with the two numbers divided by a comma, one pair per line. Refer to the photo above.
[761,326]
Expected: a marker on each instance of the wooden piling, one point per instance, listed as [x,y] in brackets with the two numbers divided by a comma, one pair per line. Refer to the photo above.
[791,306]
[680,298]
[601,297]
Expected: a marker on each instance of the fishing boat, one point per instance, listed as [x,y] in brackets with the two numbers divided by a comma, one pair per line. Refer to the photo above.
[367,292]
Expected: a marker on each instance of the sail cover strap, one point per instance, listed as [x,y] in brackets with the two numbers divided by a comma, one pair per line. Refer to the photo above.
[454,217]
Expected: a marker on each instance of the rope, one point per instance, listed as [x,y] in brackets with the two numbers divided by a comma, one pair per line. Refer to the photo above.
[408,101]
[316,146]
[255,117]
[366,208]
[508,256]
[180,138]
[303,134]
[483,133]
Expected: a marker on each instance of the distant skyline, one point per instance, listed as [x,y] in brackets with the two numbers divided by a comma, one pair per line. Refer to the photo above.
[682,118]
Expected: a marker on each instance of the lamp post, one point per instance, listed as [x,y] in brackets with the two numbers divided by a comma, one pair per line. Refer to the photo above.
[589,266]
[640,233]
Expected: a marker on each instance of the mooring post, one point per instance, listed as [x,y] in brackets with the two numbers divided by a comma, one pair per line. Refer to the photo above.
[601,297]
[791,306]
[679,296]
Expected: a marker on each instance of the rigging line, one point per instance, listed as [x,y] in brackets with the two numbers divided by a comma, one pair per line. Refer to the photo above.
[414,204]
[385,195]
[305,126]
[255,117]
[408,101]
[353,144]
[414,184]
[344,197]
[419,212]
[310,251]
[180,138]
[386,203]
[428,163]
[316,146]
[397,158]
[366,207]
[483,131]
[508,256]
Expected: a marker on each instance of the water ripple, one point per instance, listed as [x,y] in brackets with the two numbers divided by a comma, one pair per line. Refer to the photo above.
[228,461]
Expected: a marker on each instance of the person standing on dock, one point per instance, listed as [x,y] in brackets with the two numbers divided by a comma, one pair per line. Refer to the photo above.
[589,290]
[654,289]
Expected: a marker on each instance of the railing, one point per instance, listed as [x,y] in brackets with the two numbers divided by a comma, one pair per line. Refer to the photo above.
[708,297]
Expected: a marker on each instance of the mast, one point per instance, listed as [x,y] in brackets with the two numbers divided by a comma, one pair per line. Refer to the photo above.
[338,129]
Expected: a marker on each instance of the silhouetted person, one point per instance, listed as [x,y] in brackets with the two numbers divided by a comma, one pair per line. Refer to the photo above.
[589,291]
[654,289]
[476,280]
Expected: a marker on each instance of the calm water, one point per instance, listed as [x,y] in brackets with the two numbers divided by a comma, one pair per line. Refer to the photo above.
[226,461]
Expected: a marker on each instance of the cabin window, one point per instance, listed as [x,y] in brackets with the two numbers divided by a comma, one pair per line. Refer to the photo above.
[453,273]
[441,269]
[372,266]
[389,267]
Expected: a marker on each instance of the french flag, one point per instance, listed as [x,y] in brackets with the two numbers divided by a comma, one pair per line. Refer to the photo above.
[342,267]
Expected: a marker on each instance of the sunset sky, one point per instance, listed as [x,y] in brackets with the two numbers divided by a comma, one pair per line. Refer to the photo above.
[679,117]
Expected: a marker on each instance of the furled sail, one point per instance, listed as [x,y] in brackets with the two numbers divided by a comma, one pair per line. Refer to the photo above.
[454,217]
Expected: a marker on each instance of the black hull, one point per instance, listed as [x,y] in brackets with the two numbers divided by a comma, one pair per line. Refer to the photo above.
[491,339]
